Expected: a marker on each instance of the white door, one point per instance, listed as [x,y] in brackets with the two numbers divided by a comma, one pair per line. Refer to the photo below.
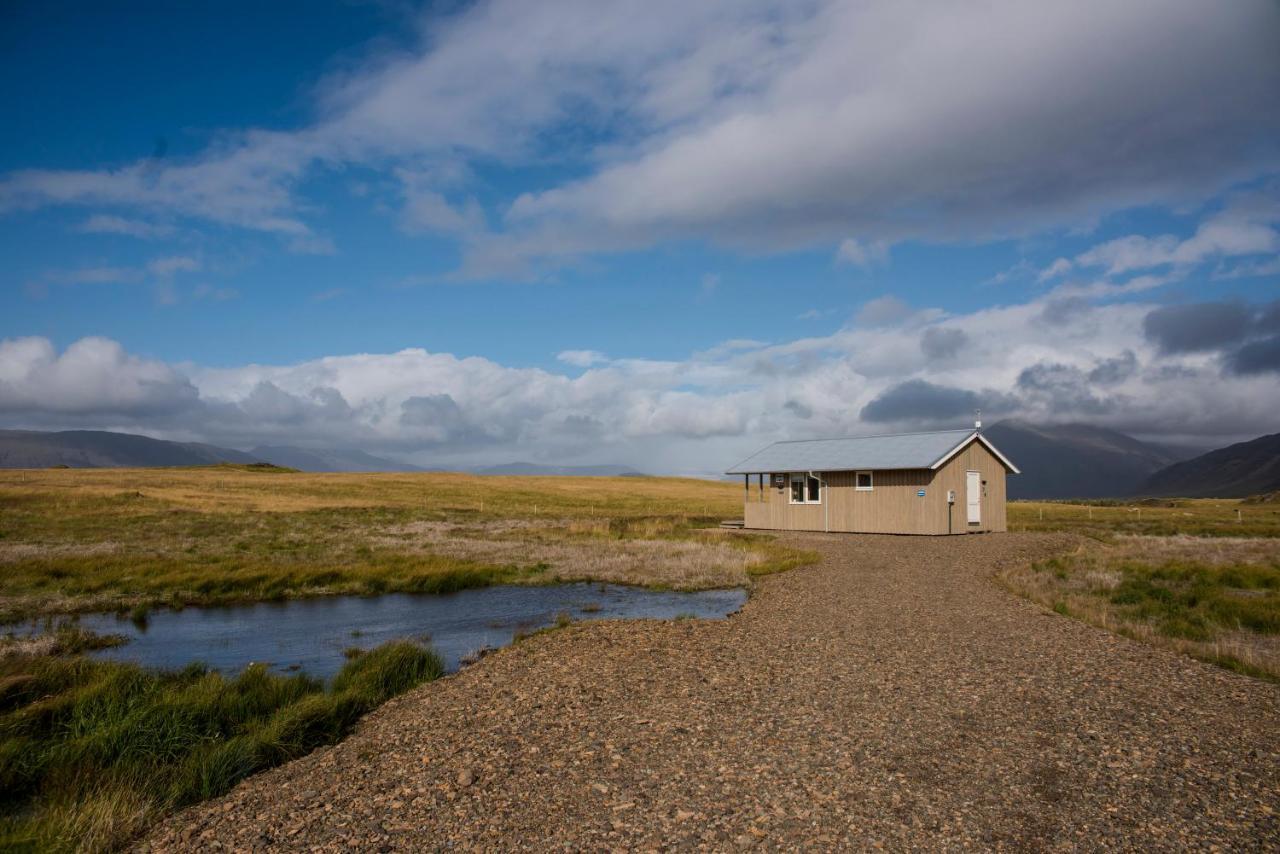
[973,494]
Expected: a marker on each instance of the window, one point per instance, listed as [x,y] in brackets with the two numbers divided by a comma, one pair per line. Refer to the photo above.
[862,481]
[805,489]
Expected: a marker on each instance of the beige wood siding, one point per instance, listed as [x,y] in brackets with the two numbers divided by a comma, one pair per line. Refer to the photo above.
[977,458]
[777,513]
[892,506]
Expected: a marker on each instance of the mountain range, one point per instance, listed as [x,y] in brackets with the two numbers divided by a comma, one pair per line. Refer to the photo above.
[1057,461]
[327,460]
[1078,460]
[1246,468]
[104,449]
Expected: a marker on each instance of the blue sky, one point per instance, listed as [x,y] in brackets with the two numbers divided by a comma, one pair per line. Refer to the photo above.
[637,233]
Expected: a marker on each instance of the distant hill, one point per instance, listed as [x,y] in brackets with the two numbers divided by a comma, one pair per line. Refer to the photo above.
[327,459]
[531,469]
[1236,471]
[1077,460]
[104,449]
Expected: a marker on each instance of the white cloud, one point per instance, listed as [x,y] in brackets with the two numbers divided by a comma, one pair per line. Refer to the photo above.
[883,311]
[94,377]
[107,224]
[754,124]
[582,358]
[851,251]
[1060,267]
[937,125]
[918,368]
[170,265]
[1247,226]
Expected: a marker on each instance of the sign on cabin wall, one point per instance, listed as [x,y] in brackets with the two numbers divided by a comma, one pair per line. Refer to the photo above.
[779,481]
[920,493]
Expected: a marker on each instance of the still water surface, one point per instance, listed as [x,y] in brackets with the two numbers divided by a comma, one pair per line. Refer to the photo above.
[310,634]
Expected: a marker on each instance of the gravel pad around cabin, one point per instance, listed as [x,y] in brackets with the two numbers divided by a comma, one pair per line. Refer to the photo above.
[890,695]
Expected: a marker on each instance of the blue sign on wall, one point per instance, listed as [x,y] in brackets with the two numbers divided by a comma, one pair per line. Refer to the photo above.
[920,493]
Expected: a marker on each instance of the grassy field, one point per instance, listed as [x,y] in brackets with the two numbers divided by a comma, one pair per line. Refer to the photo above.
[1199,576]
[123,539]
[1197,517]
[93,753]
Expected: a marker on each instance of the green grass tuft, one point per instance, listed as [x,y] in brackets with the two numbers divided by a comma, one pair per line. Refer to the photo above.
[93,752]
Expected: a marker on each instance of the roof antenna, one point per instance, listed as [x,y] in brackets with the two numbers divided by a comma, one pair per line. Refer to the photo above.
[977,419]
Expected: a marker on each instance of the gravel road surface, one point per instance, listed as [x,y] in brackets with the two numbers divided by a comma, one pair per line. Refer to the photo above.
[892,695]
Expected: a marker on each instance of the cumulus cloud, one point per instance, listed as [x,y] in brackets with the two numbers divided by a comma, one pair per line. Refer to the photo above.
[757,124]
[1097,363]
[942,342]
[1114,370]
[918,400]
[1060,389]
[1197,326]
[1244,336]
[883,311]
[434,417]
[1256,357]
[93,377]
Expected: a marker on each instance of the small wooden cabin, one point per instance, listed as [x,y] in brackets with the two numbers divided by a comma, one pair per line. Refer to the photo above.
[945,482]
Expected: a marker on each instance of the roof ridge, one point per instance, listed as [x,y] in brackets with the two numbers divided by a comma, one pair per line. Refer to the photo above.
[877,436]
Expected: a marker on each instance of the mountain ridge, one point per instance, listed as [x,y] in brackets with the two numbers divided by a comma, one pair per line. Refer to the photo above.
[1236,471]
[329,459]
[1074,460]
[107,449]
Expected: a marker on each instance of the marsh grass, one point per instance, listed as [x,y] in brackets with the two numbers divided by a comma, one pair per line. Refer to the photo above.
[97,539]
[1215,598]
[94,752]
[58,637]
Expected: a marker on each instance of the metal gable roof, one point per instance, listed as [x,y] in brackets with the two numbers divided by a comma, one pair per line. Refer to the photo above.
[867,453]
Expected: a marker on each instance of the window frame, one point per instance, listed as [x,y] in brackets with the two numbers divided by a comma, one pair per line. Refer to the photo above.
[871,481]
[803,478]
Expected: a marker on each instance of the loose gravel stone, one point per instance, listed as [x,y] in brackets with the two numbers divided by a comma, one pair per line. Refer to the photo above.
[891,696]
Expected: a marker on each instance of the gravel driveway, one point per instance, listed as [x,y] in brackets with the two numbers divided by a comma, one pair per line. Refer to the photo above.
[890,695]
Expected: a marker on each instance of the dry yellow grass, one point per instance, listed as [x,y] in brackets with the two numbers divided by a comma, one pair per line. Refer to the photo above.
[1200,517]
[92,539]
[233,489]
